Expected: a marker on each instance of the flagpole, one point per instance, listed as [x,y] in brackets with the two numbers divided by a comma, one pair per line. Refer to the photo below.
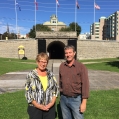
[16,20]
[94,11]
[94,18]
[75,15]
[35,18]
[56,15]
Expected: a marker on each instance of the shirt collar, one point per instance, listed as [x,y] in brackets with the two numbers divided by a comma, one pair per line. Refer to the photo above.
[74,63]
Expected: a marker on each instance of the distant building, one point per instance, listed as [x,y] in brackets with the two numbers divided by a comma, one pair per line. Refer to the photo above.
[112,27]
[54,24]
[84,36]
[22,36]
[106,28]
[97,29]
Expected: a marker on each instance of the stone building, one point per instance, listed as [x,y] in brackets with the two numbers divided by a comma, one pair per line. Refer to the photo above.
[54,24]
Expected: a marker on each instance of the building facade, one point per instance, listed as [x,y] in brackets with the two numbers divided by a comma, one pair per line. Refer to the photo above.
[97,29]
[54,24]
[107,28]
[112,27]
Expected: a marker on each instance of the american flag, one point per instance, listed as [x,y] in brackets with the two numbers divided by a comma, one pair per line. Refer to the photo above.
[57,3]
[96,6]
[36,4]
[77,5]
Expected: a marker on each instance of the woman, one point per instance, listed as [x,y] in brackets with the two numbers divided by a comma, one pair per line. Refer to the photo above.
[41,90]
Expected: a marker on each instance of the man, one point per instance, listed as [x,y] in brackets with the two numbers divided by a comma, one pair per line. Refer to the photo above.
[74,86]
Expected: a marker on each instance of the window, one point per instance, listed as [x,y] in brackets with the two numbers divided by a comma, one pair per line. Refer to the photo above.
[96,27]
[53,21]
[96,30]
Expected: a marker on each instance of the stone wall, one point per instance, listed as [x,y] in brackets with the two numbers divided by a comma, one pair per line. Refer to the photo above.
[52,34]
[86,49]
[95,49]
[9,48]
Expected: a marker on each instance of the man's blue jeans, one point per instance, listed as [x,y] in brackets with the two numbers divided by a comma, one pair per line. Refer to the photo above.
[70,106]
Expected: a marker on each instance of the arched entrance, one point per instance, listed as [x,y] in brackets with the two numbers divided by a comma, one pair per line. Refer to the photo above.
[56,50]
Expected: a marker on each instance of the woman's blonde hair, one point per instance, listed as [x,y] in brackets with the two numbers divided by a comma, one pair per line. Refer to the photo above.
[42,55]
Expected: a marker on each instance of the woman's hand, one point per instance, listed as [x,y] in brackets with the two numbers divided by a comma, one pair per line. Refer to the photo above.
[51,103]
[39,106]
[43,107]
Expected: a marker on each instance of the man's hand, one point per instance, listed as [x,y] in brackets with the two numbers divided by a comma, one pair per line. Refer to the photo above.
[83,105]
[82,108]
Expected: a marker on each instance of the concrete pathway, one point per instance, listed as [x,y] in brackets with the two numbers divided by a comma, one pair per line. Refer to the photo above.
[12,81]
[103,80]
[99,80]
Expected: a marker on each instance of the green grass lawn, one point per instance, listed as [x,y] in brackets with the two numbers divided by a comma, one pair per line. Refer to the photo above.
[10,65]
[112,66]
[101,105]
[101,60]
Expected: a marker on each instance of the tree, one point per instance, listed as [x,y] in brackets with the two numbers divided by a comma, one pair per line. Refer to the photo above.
[65,29]
[9,35]
[71,27]
[39,27]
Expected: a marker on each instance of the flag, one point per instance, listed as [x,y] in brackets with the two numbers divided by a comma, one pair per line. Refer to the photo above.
[36,4]
[77,5]
[57,3]
[96,6]
[17,5]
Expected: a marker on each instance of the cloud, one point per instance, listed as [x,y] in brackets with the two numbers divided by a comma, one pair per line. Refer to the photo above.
[2,29]
[12,28]
[23,30]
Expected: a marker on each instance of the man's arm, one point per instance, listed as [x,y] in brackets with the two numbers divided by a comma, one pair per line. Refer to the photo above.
[85,89]
[85,83]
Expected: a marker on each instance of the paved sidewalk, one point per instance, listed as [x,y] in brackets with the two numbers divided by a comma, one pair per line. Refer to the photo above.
[99,80]
[12,81]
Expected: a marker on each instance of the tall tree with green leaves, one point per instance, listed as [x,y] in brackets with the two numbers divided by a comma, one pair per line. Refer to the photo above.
[39,27]
[71,27]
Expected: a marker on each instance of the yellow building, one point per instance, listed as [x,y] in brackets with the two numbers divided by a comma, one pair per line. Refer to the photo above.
[54,24]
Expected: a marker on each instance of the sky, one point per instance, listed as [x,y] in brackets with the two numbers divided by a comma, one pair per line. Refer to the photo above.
[66,12]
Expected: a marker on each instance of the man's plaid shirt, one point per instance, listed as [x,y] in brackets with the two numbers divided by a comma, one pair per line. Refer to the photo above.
[34,88]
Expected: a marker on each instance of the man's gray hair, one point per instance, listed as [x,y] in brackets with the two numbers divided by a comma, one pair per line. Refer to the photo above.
[69,47]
